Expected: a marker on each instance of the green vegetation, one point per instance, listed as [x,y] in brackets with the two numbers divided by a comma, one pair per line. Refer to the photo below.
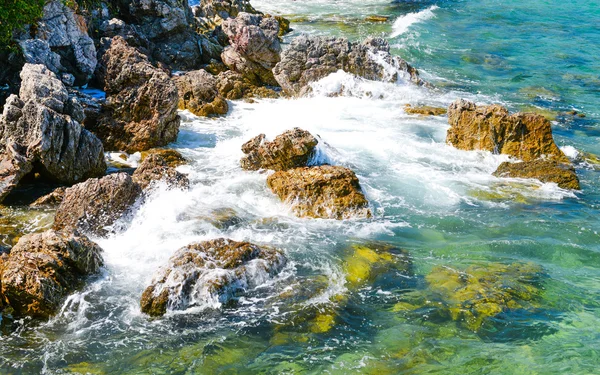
[14,15]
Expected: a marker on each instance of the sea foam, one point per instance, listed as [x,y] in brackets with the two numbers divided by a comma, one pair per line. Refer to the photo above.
[403,23]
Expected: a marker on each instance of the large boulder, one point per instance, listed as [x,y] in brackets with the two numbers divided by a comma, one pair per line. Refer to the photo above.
[141,102]
[292,149]
[209,274]
[311,58]
[328,192]
[93,205]
[232,85]
[198,93]
[43,268]
[254,47]
[155,168]
[60,42]
[544,170]
[41,128]
[525,136]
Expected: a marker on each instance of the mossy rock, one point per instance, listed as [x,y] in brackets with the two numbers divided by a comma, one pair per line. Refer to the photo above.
[363,263]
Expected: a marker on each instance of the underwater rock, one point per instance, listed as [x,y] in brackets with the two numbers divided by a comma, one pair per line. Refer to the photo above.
[140,111]
[365,262]
[172,157]
[198,93]
[310,58]
[52,199]
[155,168]
[209,273]
[525,136]
[292,149]
[232,85]
[327,192]
[43,268]
[92,205]
[254,47]
[544,170]
[60,42]
[425,110]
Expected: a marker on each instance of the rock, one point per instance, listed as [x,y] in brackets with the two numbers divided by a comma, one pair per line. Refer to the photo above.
[97,203]
[310,58]
[52,199]
[544,170]
[141,102]
[172,157]
[155,168]
[43,128]
[292,149]
[254,47]
[525,136]
[209,274]
[232,85]
[198,93]
[366,262]
[375,18]
[326,192]
[60,42]
[43,268]
[425,110]
[219,10]
[13,167]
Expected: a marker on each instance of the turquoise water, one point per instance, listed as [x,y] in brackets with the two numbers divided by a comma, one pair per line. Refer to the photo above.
[438,204]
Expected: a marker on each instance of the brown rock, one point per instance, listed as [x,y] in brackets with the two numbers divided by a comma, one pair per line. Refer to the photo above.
[232,85]
[155,168]
[43,268]
[326,192]
[378,19]
[544,170]
[141,102]
[172,157]
[209,273]
[13,167]
[198,93]
[291,149]
[52,199]
[92,205]
[425,110]
[525,136]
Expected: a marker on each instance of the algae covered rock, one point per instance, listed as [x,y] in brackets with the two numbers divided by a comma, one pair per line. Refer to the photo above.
[292,149]
[198,93]
[155,168]
[43,268]
[328,192]
[544,170]
[209,274]
[97,203]
[365,262]
[425,110]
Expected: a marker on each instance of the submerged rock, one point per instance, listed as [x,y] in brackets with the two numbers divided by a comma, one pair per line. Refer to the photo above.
[198,93]
[365,262]
[544,170]
[52,199]
[525,136]
[42,269]
[209,273]
[292,149]
[254,47]
[93,205]
[328,192]
[155,168]
[141,102]
[310,58]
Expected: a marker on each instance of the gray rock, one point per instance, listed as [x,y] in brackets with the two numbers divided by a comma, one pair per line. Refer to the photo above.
[198,93]
[155,168]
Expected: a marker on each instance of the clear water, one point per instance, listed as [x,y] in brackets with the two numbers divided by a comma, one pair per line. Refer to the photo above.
[440,204]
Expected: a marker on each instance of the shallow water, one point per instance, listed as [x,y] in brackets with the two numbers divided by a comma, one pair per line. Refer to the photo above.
[440,204]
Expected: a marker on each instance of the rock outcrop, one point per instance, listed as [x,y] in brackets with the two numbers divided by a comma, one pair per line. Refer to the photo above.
[209,274]
[93,205]
[155,168]
[254,47]
[198,93]
[292,149]
[43,269]
[60,41]
[52,199]
[141,102]
[310,58]
[172,157]
[232,85]
[328,192]
[216,11]
[544,170]
[41,131]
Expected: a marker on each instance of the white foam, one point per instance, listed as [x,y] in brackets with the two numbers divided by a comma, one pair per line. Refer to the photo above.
[571,152]
[403,23]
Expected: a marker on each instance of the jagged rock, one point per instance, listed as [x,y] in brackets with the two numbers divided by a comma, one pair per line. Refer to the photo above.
[42,127]
[97,203]
[52,199]
[232,85]
[43,268]
[13,167]
[109,28]
[525,136]
[140,111]
[172,157]
[311,58]
[328,192]
[155,168]
[544,170]
[218,10]
[254,49]
[198,93]
[208,274]
[291,149]
[425,110]
[60,42]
